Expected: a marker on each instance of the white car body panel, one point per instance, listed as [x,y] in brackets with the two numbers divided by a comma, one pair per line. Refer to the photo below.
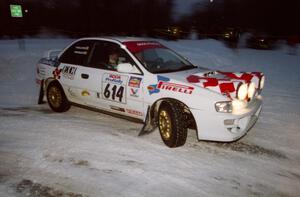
[136,99]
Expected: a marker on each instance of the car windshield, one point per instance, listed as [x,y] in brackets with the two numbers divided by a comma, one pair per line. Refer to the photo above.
[162,60]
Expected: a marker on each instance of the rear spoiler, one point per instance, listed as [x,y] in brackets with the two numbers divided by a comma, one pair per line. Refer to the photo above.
[52,54]
[50,57]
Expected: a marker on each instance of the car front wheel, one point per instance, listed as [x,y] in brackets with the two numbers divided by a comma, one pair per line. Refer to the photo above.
[172,124]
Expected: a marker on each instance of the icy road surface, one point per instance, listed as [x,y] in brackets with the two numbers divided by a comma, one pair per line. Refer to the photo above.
[84,153]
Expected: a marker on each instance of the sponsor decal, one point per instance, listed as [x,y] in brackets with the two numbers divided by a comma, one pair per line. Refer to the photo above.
[84,50]
[117,108]
[153,88]
[69,72]
[148,44]
[56,73]
[82,47]
[81,52]
[134,112]
[114,87]
[85,93]
[137,46]
[134,82]
[175,87]
[164,84]
[134,92]
[111,78]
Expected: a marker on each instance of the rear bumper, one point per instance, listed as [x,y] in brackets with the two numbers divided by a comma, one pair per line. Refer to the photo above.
[226,127]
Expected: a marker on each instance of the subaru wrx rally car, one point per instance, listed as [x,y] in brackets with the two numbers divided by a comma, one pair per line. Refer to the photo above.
[145,81]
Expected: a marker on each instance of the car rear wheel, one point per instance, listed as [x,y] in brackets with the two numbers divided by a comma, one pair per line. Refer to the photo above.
[56,97]
[172,124]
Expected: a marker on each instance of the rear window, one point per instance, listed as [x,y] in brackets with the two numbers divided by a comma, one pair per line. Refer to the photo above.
[78,53]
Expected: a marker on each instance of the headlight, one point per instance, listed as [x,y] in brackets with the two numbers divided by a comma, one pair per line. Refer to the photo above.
[224,106]
[242,91]
[262,82]
[251,90]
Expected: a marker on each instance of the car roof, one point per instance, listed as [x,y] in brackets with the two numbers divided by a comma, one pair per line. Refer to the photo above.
[119,39]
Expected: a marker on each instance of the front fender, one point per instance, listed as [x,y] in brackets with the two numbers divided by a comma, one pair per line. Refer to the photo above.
[192,96]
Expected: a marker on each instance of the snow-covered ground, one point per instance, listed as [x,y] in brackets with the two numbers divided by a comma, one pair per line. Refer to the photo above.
[84,153]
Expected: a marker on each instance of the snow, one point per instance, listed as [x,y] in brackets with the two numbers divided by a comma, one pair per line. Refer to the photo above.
[93,154]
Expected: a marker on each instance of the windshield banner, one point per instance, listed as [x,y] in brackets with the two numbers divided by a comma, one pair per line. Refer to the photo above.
[138,46]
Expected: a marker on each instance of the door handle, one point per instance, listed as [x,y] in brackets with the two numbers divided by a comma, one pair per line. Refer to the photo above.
[84,76]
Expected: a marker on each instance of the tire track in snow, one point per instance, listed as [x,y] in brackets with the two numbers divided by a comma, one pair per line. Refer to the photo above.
[238,146]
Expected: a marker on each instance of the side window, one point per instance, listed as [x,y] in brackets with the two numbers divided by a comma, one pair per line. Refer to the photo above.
[107,55]
[78,53]
[100,55]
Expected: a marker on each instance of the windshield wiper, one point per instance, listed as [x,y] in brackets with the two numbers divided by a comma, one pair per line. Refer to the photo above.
[186,67]
[165,71]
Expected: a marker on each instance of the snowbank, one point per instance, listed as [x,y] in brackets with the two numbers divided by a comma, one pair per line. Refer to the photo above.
[97,155]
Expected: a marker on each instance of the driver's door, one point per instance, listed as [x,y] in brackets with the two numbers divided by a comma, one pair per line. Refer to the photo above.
[117,92]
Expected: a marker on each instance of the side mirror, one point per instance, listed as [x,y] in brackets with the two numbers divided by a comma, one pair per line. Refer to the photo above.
[127,68]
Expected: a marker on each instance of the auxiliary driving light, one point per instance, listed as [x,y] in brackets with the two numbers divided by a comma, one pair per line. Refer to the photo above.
[242,91]
[251,90]
[262,82]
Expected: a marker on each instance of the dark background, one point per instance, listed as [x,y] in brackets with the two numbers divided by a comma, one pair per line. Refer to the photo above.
[78,18]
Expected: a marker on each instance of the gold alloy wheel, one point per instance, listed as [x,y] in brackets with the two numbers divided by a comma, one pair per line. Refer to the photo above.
[55,97]
[165,126]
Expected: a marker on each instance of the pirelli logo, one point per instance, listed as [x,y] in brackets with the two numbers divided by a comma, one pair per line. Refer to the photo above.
[175,87]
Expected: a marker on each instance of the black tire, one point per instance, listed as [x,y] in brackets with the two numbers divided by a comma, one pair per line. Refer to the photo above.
[56,98]
[173,133]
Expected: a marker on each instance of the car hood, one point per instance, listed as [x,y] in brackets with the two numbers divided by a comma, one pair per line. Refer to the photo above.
[225,83]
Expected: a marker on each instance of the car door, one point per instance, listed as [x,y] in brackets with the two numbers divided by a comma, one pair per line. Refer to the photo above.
[73,71]
[117,92]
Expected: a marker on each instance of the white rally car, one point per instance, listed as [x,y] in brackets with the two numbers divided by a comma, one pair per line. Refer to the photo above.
[145,81]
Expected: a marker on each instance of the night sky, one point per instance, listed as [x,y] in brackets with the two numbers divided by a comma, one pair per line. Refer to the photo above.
[143,17]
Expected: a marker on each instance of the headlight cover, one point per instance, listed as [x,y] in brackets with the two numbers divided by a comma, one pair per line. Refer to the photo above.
[224,106]
[242,91]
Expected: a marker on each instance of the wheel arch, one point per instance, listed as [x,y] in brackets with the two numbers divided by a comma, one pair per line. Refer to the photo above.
[49,81]
[60,105]
[154,108]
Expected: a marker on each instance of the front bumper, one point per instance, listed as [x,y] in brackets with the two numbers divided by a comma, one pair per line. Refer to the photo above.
[226,127]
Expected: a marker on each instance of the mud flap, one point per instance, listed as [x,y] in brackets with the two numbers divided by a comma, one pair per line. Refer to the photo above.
[149,124]
[41,93]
